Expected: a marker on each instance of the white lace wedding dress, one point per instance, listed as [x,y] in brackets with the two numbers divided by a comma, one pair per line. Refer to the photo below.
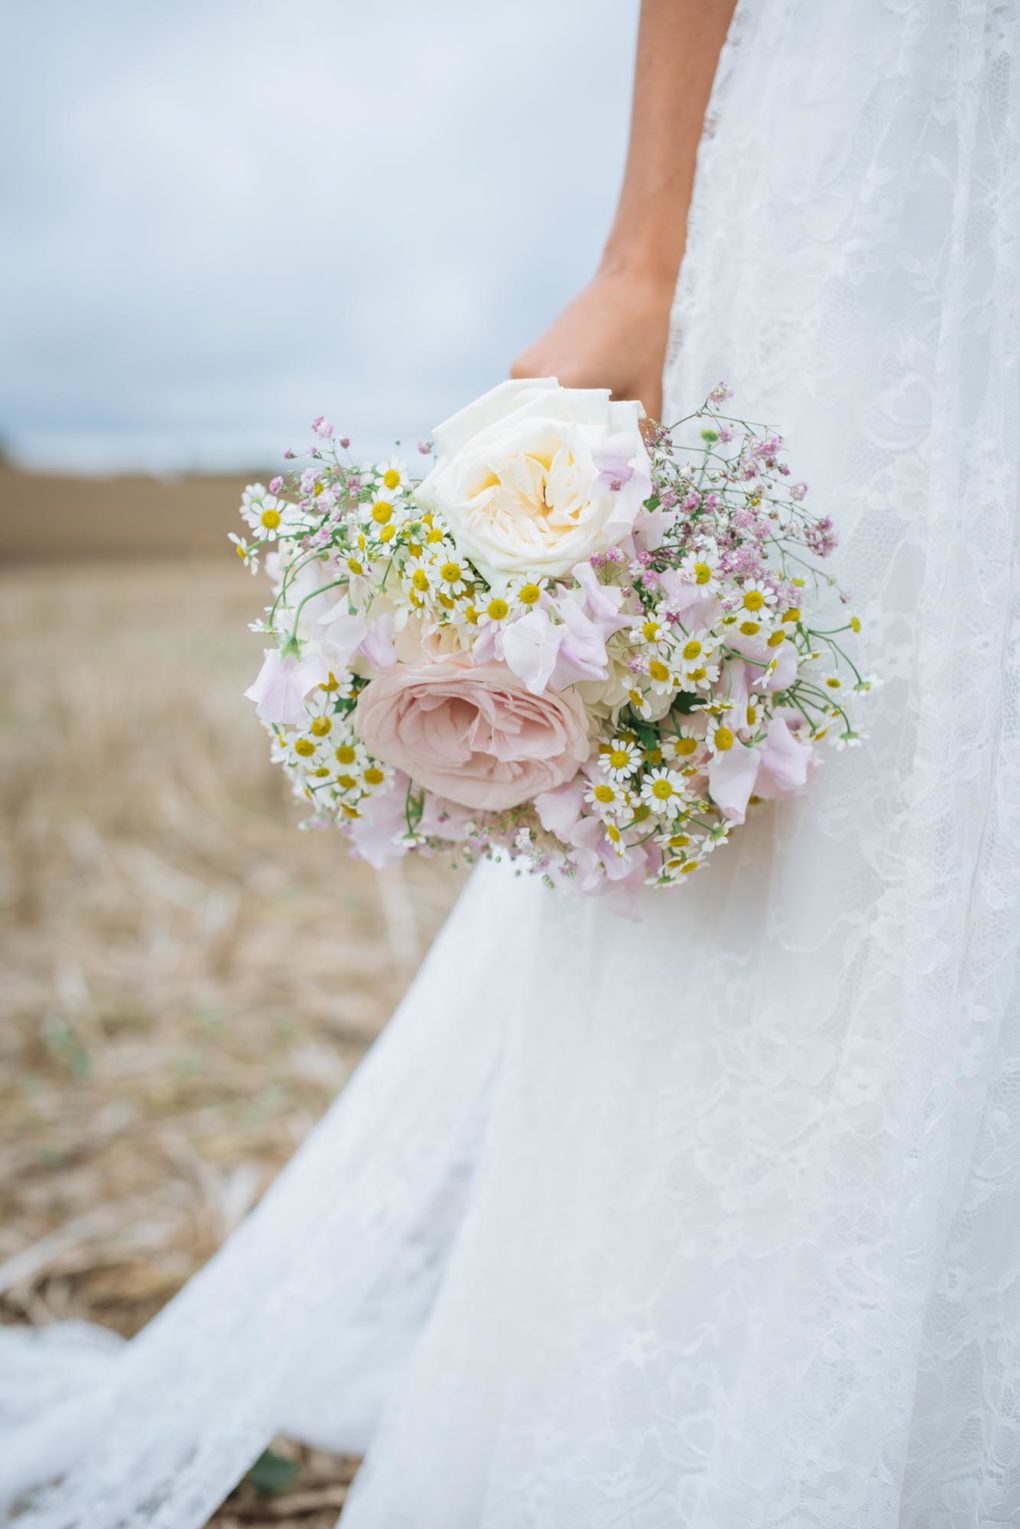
[710,1221]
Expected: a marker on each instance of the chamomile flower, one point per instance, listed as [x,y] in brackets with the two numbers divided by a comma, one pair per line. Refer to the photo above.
[262,511]
[662,677]
[493,609]
[526,593]
[721,736]
[419,579]
[700,567]
[392,475]
[639,703]
[683,747]
[663,791]
[620,759]
[452,574]
[248,554]
[349,756]
[694,650]
[375,777]
[757,599]
[652,633]
[607,798]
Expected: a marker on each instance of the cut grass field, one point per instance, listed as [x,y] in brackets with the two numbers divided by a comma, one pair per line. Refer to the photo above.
[185,979]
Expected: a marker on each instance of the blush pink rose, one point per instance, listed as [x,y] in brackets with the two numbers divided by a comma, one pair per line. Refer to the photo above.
[472,732]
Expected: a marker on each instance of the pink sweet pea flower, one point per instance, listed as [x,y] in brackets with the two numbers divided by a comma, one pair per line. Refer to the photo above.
[778,768]
[377,833]
[582,650]
[342,632]
[786,762]
[731,777]
[281,686]
[377,646]
[531,645]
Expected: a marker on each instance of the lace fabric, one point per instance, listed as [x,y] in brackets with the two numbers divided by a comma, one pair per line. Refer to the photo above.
[710,1220]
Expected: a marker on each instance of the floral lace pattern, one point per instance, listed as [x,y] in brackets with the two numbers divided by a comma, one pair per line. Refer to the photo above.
[722,1234]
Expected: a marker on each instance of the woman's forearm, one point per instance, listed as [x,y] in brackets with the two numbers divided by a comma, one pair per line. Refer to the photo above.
[614,333]
[678,48]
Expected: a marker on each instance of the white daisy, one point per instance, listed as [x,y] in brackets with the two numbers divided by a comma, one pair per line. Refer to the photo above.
[662,677]
[606,798]
[375,777]
[248,554]
[620,759]
[683,748]
[493,609]
[262,511]
[393,476]
[452,573]
[663,790]
[757,599]
[694,651]
[526,592]
[652,633]
[700,567]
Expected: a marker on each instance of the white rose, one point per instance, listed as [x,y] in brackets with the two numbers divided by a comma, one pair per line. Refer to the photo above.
[533,478]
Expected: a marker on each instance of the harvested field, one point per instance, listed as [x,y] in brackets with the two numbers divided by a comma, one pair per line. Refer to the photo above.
[186,981]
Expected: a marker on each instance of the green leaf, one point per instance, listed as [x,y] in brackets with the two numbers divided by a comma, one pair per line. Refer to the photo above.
[272,1474]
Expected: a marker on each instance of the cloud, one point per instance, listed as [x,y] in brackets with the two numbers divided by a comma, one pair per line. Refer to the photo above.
[229,218]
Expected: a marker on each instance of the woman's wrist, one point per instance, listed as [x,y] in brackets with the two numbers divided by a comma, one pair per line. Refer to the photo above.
[648,251]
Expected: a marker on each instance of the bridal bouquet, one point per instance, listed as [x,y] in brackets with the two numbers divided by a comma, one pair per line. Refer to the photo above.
[586,646]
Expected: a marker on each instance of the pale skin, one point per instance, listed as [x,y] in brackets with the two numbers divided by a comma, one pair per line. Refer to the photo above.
[614,333]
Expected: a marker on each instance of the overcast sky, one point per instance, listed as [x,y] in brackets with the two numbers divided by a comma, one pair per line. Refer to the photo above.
[222,217]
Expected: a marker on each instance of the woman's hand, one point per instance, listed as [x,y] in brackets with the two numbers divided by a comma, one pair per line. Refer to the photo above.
[612,335]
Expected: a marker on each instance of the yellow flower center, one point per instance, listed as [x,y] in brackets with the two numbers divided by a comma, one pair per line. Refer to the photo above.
[650,631]
[387,533]
[752,715]
[613,833]
[382,511]
[679,841]
[604,793]
[723,738]
[270,519]
[391,478]
[662,790]
[528,594]
[346,754]
[685,746]
[420,580]
[834,682]
[793,614]
[689,866]
[304,747]
[697,675]
[619,759]
[354,565]
[497,609]
[691,650]
[374,776]
[855,623]
[347,782]
[320,727]
[753,600]
[750,628]
[451,572]
[658,670]
[777,638]
[331,684]
[702,573]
